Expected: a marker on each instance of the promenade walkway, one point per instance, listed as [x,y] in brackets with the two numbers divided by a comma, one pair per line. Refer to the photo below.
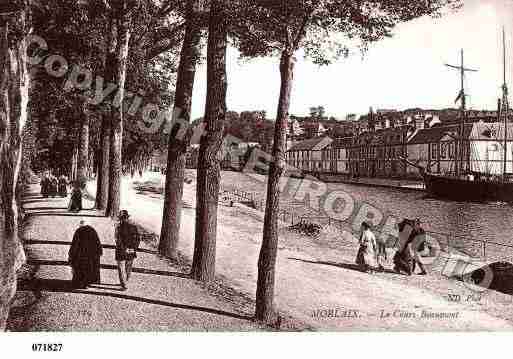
[160,296]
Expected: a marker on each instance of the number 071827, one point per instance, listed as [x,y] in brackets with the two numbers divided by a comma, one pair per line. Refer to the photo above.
[46,347]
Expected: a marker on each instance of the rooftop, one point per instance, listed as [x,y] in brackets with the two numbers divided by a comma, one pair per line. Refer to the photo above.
[311,144]
[435,134]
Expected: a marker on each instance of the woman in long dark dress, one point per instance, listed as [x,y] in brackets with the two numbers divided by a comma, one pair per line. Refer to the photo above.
[63,186]
[75,202]
[84,256]
[54,184]
[45,182]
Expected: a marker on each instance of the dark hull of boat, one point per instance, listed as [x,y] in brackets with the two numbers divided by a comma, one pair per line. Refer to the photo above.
[468,191]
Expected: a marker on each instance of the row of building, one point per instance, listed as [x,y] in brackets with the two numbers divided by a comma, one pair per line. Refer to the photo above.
[376,144]
[380,152]
[302,128]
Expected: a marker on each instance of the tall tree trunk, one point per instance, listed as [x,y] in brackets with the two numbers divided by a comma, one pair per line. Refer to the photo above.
[102,185]
[207,188]
[74,164]
[124,25]
[14,92]
[177,147]
[267,259]
[83,148]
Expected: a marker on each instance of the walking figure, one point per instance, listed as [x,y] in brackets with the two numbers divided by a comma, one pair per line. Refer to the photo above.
[84,256]
[366,257]
[75,202]
[127,243]
[407,256]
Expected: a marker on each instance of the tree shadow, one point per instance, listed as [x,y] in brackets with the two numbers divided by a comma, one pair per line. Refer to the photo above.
[35,209]
[63,214]
[39,262]
[65,243]
[37,286]
[31,196]
[35,200]
[105,287]
[349,266]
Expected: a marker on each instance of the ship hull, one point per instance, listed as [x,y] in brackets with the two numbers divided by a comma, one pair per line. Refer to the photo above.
[468,191]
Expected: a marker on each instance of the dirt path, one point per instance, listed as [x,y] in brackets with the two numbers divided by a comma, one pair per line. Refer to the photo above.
[318,285]
[159,297]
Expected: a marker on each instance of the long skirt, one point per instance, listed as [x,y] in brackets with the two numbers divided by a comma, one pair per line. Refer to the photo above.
[52,189]
[63,190]
[44,188]
[86,271]
[365,257]
[75,203]
[403,262]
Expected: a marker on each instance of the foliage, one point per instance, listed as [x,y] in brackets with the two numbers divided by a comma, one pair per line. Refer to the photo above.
[79,31]
[325,29]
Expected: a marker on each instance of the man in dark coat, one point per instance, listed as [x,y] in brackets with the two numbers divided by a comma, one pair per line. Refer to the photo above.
[127,243]
[84,256]
[45,183]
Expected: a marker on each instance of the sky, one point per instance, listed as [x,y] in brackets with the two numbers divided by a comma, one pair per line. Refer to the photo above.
[402,72]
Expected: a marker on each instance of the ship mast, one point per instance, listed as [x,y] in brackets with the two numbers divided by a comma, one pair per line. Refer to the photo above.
[461,96]
[505,106]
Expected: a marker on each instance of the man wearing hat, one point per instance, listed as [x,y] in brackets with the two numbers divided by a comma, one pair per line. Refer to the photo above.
[417,238]
[127,243]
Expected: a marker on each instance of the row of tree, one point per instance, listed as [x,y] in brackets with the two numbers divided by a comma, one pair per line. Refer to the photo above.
[262,28]
[144,43]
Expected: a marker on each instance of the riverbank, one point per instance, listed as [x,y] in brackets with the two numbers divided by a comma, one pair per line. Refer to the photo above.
[404,184]
[317,277]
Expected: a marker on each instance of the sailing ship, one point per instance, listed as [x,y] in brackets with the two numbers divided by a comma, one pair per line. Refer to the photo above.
[465,184]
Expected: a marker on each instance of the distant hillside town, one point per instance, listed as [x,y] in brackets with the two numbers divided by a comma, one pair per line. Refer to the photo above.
[370,145]
[376,144]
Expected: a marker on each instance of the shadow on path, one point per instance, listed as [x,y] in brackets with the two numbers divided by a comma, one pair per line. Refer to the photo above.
[39,262]
[35,209]
[64,286]
[29,200]
[62,214]
[64,243]
[349,266]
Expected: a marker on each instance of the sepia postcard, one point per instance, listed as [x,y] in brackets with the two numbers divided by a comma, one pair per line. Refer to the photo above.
[253,167]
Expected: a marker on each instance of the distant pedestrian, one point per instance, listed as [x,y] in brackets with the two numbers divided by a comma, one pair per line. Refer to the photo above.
[54,184]
[366,257]
[84,256]
[75,202]
[381,253]
[127,243]
[418,240]
[63,186]
[413,241]
[45,185]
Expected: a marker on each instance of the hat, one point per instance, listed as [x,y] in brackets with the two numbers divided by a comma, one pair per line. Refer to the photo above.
[366,224]
[123,214]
